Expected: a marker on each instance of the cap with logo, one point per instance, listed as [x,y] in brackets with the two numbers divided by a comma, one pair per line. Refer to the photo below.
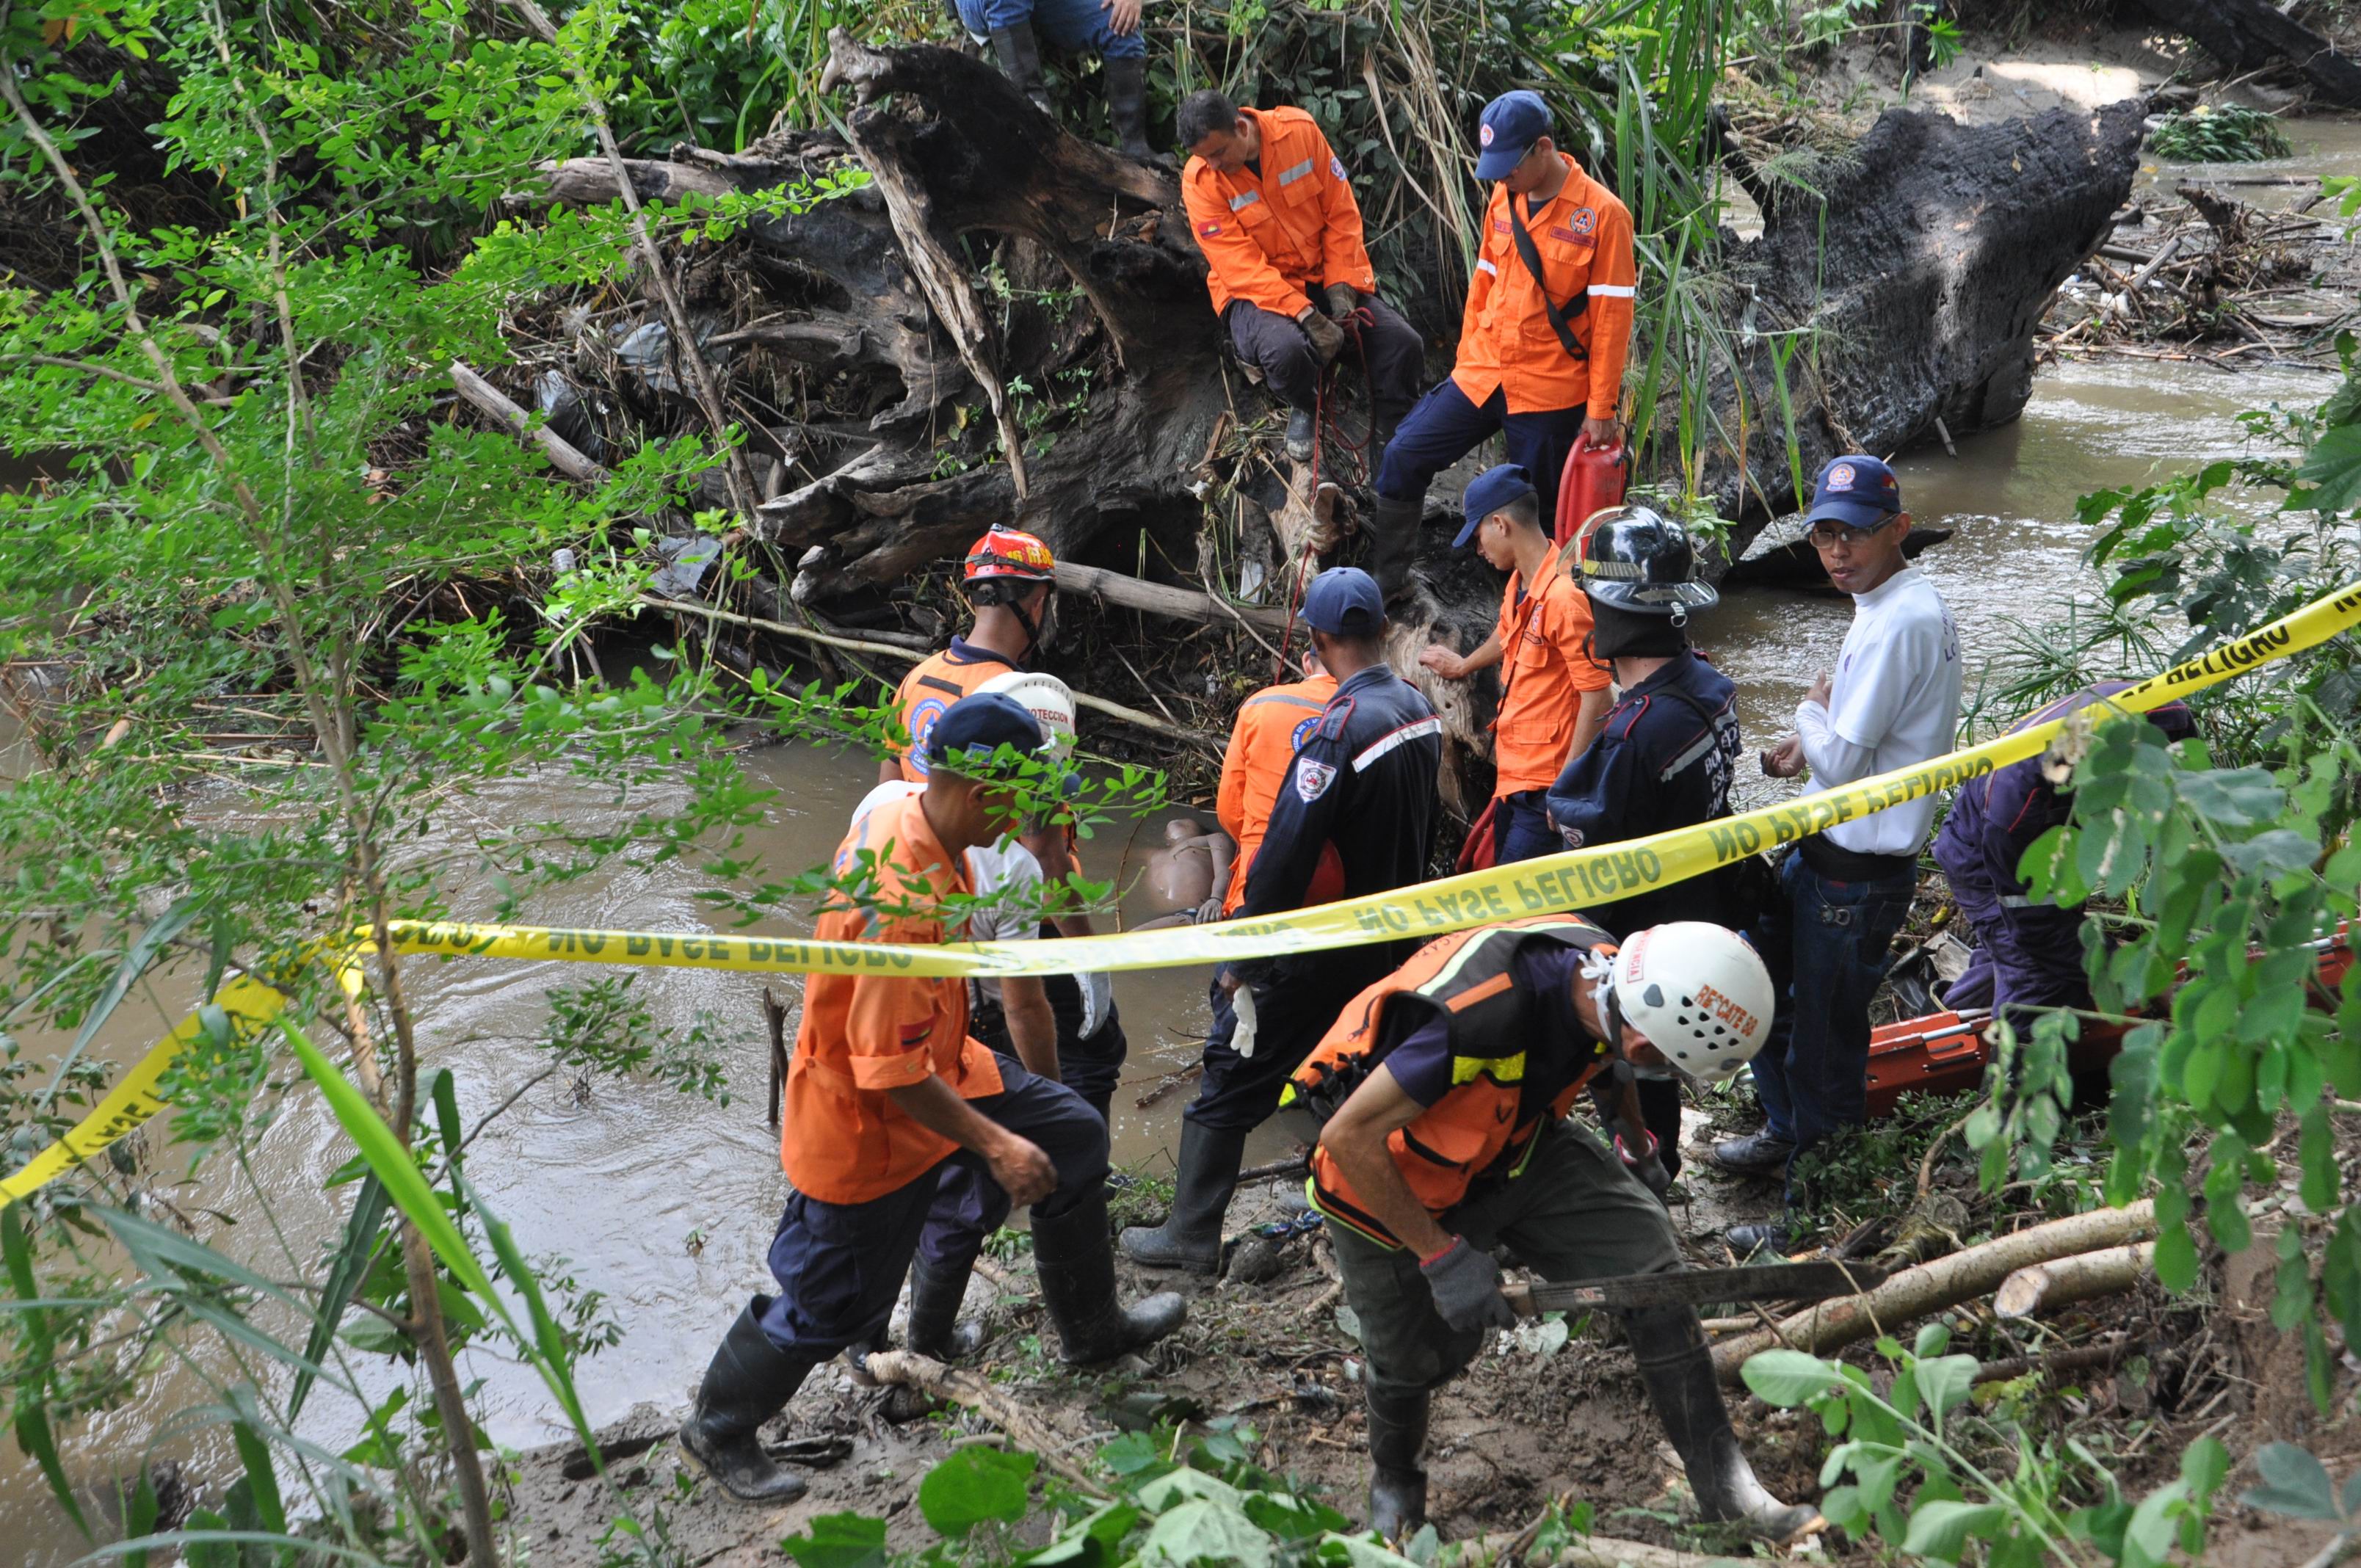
[1344,601]
[972,729]
[1511,124]
[1856,491]
[1492,489]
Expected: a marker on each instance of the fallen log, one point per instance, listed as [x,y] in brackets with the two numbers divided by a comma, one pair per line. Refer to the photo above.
[1510,1550]
[2245,33]
[2079,1358]
[2069,1279]
[1157,598]
[1931,1287]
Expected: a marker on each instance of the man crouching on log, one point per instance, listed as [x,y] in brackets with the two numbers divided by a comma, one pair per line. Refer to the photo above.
[887,1087]
[1443,1090]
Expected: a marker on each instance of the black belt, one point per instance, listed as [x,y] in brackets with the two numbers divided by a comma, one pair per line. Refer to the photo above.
[1838,863]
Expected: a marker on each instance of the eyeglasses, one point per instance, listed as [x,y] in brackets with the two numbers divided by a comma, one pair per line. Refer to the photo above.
[1828,536]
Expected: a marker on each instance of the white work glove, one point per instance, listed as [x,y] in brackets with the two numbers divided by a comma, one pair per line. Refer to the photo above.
[1242,1039]
[1098,1001]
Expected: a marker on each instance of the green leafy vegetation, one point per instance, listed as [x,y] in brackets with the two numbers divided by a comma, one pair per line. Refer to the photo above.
[2229,133]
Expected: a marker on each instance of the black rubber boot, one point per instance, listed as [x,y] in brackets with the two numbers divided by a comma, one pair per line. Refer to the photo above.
[1076,1269]
[748,1381]
[1669,1346]
[1397,1479]
[1020,60]
[1301,424]
[1126,91]
[1393,545]
[1191,1236]
[936,1296]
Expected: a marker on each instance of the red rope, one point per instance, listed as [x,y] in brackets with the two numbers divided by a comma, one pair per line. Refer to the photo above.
[1323,421]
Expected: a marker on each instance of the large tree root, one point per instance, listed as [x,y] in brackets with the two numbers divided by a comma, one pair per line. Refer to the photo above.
[1931,1287]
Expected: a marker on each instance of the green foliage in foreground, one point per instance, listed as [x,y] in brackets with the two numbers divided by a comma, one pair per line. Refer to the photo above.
[2231,133]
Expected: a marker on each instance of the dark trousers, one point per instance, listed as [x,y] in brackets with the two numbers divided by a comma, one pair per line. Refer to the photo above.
[1445,427]
[1525,830]
[1091,1067]
[2028,956]
[1077,25]
[840,1266]
[1575,1213]
[1291,1012]
[1826,944]
[1276,345]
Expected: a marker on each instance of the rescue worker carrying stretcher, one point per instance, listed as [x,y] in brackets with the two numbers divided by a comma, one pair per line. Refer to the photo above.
[1542,342]
[1012,580]
[886,1088]
[1669,749]
[1441,1094]
[2029,952]
[1554,693]
[1361,787]
[1275,216]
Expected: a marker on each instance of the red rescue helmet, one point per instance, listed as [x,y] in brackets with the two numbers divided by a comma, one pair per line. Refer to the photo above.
[1007,555]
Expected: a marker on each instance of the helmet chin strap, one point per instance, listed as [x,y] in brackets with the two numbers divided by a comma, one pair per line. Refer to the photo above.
[1033,642]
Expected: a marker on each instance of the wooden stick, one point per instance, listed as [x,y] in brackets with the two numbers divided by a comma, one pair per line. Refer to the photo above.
[2067,1279]
[2081,1358]
[1156,598]
[888,651]
[564,456]
[1945,1282]
[972,1390]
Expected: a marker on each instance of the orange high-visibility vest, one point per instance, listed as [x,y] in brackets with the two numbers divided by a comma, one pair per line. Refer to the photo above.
[934,684]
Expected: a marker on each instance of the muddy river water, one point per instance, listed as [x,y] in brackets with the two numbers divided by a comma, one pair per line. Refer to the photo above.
[665,1201]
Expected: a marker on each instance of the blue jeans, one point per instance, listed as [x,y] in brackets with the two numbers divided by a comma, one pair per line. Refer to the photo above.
[1445,426]
[1826,945]
[1077,25]
[840,1266]
[1525,830]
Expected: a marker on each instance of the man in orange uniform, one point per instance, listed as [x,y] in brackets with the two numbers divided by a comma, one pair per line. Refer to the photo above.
[1275,216]
[885,1090]
[1012,580]
[1271,724]
[1542,342]
[1554,694]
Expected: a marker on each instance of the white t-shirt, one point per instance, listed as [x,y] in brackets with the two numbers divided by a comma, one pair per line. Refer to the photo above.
[1894,701]
[1004,874]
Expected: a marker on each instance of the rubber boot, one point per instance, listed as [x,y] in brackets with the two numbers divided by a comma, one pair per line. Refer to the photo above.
[1020,60]
[1669,1346]
[1076,1269]
[1126,91]
[1397,1479]
[748,1381]
[936,1296]
[1301,423]
[1393,545]
[1191,1235]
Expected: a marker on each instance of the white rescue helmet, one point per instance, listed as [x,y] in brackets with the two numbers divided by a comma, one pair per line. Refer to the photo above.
[1699,994]
[1047,699]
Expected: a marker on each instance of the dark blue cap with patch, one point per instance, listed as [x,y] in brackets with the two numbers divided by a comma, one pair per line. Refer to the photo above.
[1344,601]
[1493,488]
[1858,491]
[1511,124]
[972,729]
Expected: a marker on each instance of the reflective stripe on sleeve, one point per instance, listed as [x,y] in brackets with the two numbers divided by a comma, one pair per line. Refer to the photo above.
[1484,266]
[1392,738]
[1611,290]
[1246,199]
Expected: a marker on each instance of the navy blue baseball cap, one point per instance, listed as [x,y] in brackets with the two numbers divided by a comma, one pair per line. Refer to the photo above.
[972,729]
[1856,491]
[1493,488]
[1344,601]
[1511,124]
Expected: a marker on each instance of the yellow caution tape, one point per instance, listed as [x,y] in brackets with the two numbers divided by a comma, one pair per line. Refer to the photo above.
[1567,880]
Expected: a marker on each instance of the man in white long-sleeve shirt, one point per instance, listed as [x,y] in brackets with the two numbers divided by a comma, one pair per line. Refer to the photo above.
[1894,701]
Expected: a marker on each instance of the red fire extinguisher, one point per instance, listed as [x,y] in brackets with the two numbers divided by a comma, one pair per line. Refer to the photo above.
[1592,482]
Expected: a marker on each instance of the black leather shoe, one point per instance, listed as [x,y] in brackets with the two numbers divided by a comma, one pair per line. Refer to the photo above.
[1758,1154]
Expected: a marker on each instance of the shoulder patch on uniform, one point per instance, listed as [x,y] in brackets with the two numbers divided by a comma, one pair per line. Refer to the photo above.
[1500,225]
[1333,719]
[1302,733]
[1584,219]
[1312,779]
[1335,165]
[1209,229]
